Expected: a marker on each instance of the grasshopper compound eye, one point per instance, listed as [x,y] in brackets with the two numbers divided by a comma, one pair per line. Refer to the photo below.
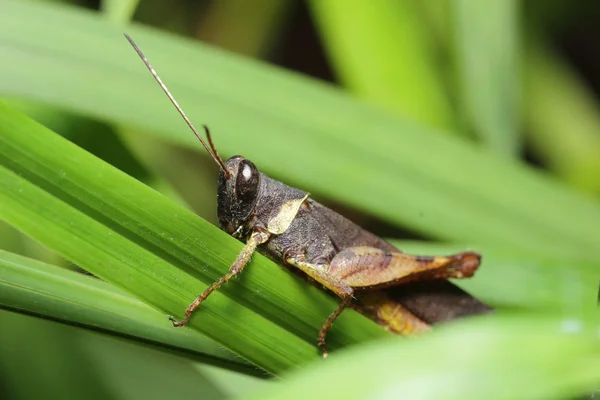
[246,182]
[238,193]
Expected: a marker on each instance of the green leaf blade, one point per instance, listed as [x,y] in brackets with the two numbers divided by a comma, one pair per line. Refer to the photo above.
[133,237]
[381,52]
[483,360]
[62,295]
[486,54]
[438,185]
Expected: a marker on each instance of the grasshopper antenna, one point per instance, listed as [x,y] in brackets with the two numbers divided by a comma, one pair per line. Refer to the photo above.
[211,150]
[212,144]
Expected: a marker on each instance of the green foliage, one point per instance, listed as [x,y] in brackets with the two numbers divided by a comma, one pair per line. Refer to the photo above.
[429,171]
[131,236]
[383,53]
[485,53]
[540,237]
[480,359]
[55,293]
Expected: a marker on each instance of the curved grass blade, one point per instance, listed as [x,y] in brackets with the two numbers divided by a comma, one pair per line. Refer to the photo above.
[410,176]
[132,237]
[35,288]
[520,282]
[486,58]
[119,10]
[558,102]
[381,52]
[482,359]
[40,360]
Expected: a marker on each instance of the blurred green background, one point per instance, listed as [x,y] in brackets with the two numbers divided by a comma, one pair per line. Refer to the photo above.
[439,124]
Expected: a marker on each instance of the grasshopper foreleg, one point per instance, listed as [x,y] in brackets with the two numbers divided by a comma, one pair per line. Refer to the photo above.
[256,238]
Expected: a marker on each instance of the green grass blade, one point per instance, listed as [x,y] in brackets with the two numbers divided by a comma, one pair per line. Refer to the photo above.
[486,56]
[39,360]
[517,281]
[135,238]
[562,118]
[501,358]
[131,236]
[249,28]
[119,10]
[40,289]
[381,52]
[410,176]
[66,363]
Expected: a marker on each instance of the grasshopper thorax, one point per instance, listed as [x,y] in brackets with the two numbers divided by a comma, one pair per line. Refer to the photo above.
[237,194]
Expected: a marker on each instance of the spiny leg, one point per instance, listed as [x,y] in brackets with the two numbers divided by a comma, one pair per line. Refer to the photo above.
[329,322]
[238,265]
[345,292]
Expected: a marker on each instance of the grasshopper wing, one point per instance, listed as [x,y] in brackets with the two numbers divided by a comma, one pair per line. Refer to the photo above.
[370,268]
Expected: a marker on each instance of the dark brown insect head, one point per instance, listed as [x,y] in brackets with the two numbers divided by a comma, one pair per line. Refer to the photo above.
[237,194]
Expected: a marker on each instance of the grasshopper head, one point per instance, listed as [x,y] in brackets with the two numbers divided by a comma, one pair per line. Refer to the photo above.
[238,178]
[237,193]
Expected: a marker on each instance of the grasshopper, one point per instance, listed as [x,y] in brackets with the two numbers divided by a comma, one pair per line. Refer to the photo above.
[403,293]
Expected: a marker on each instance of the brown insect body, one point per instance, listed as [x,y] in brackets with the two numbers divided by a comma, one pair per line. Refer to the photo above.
[332,250]
[401,292]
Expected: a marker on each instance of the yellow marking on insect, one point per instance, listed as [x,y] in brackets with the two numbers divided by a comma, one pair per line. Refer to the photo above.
[287,212]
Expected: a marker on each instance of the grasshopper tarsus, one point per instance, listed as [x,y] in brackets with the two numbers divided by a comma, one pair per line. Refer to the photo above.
[178,324]
[322,345]
[196,303]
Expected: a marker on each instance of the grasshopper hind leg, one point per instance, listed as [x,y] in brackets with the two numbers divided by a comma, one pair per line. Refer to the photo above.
[339,288]
[346,301]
